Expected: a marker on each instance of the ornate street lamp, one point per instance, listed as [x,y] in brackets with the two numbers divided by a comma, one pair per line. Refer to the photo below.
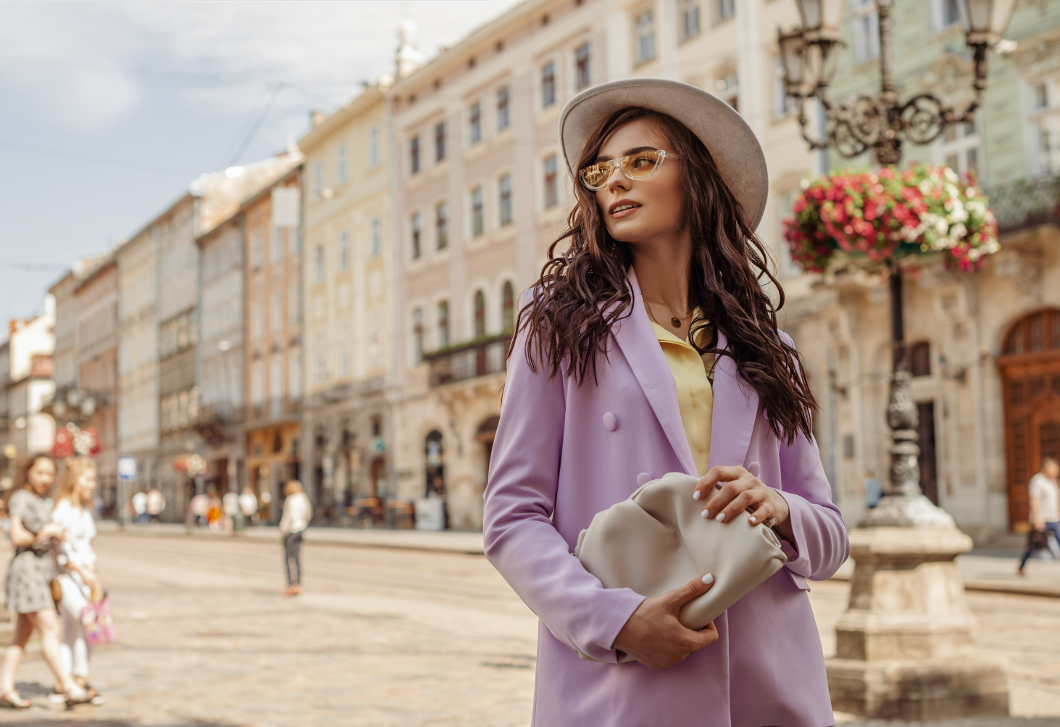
[904,648]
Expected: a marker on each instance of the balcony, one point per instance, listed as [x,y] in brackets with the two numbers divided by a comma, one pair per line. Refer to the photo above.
[465,361]
[1025,203]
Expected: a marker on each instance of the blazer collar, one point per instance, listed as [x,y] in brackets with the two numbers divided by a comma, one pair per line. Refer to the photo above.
[735,403]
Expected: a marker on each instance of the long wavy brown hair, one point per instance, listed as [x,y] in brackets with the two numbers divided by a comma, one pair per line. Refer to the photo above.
[584,290]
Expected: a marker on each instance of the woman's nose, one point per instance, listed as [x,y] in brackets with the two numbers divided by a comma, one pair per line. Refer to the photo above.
[617,178]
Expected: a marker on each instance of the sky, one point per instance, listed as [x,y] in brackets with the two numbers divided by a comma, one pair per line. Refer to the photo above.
[109,109]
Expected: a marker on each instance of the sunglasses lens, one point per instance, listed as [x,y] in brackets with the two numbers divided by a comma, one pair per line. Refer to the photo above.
[641,164]
[595,175]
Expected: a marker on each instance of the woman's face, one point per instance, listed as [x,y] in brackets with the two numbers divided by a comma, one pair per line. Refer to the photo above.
[657,202]
[86,485]
[41,476]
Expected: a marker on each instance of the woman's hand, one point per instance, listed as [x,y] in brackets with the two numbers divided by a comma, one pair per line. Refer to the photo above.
[655,637]
[51,530]
[742,490]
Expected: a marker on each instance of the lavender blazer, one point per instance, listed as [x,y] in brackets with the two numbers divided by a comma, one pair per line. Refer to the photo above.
[563,453]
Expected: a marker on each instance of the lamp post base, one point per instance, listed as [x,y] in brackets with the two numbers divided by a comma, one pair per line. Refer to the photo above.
[905,646]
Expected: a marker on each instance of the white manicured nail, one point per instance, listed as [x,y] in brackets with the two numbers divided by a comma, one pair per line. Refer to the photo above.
[695,495]
[705,514]
[708,579]
[752,520]
[721,517]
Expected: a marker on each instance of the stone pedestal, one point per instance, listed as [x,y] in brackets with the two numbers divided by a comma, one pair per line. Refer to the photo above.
[904,648]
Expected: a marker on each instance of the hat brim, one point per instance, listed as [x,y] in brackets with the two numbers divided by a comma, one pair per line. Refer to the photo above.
[735,148]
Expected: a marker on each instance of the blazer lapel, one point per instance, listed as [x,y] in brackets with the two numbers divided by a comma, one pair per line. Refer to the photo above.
[641,348]
[735,410]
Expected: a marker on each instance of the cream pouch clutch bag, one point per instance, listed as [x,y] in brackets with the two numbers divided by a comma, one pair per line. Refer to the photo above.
[656,541]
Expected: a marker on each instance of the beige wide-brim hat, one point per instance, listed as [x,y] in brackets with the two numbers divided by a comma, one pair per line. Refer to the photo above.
[726,135]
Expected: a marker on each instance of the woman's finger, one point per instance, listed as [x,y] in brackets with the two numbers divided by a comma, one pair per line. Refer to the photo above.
[729,492]
[762,512]
[714,476]
[695,588]
[739,504]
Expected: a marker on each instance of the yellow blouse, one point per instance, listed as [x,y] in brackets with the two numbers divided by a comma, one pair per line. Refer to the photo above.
[695,396]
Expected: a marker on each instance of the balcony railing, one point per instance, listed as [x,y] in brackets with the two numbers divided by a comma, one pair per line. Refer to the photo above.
[468,360]
[1025,203]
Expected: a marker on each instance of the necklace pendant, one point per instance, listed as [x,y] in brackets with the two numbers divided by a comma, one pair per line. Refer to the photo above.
[675,322]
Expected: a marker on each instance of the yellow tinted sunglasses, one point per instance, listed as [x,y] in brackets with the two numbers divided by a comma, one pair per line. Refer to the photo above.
[637,166]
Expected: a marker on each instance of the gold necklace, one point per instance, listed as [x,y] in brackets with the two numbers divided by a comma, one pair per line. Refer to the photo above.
[675,320]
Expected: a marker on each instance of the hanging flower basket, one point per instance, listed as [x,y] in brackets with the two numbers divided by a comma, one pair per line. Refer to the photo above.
[191,465]
[72,441]
[872,219]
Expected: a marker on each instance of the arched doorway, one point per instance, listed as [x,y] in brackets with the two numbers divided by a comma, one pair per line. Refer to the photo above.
[434,466]
[1030,374]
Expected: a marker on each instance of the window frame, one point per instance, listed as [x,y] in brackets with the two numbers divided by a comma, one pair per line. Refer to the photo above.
[416,235]
[583,73]
[548,85]
[505,211]
[644,50]
[414,155]
[439,142]
[503,108]
[550,178]
[478,211]
[474,123]
[441,225]
[688,9]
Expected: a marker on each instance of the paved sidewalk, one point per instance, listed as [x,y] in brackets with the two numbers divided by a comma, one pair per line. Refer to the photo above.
[991,570]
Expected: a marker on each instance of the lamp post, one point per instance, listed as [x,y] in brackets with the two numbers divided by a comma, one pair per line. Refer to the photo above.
[905,646]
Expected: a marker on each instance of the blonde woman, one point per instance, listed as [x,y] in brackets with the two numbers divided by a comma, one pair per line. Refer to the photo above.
[77,564]
[297,512]
[28,594]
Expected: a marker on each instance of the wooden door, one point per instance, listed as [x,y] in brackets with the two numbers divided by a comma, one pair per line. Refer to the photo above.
[929,481]
[1030,376]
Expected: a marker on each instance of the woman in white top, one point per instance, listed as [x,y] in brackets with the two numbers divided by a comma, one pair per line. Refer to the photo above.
[76,563]
[297,511]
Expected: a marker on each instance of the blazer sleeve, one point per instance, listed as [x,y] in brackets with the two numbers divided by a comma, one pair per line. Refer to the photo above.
[518,535]
[821,541]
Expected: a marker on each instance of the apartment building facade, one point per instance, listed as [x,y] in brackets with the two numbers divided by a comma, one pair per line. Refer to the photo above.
[30,387]
[272,347]
[482,190]
[138,367]
[96,303]
[347,279]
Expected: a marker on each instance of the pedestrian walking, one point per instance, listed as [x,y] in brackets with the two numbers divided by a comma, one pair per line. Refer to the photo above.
[76,566]
[1045,512]
[297,512]
[650,345]
[29,593]
[156,503]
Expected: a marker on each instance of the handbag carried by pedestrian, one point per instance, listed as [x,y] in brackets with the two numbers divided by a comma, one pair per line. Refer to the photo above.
[656,541]
[98,622]
[1037,540]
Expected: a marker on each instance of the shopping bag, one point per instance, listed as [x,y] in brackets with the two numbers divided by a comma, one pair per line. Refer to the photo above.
[98,623]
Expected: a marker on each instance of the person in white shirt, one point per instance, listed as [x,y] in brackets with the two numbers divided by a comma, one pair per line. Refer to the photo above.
[1045,508]
[76,561]
[297,512]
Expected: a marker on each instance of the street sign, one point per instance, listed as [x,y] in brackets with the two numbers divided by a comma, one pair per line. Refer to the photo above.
[127,468]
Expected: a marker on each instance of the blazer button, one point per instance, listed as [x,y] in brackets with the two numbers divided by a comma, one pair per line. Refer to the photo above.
[643,478]
[610,423]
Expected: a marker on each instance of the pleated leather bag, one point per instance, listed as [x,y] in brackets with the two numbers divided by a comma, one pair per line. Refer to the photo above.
[656,541]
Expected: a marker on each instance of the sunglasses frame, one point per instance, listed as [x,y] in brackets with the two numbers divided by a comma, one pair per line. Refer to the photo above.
[620,164]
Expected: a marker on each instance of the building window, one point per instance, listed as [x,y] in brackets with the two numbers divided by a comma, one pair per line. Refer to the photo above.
[375,246]
[416,227]
[344,250]
[417,336]
[294,373]
[548,85]
[944,13]
[551,181]
[582,67]
[257,320]
[439,143]
[318,265]
[318,180]
[689,14]
[341,165]
[474,121]
[277,244]
[508,307]
[959,148]
[502,109]
[276,312]
[414,155]
[478,216]
[729,89]
[866,31]
[783,104]
[504,195]
[345,355]
[441,225]
[725,9]
[645,41]
[373,147]
[443,324]
[920,359]
[257,251]
[480,314]
[1045,122]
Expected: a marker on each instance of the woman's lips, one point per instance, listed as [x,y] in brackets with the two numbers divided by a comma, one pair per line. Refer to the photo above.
[623,213]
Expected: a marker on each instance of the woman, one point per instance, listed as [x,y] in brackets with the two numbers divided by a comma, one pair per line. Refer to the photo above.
[297,512]
[650,346]
[77,565]
[28,591]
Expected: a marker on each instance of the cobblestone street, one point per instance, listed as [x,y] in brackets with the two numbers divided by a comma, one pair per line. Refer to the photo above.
[382,638]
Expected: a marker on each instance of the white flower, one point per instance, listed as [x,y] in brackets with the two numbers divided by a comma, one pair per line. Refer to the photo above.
[925,187]
[805,184]
[941,226]
[959,214]
[950,175]
[959,230]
